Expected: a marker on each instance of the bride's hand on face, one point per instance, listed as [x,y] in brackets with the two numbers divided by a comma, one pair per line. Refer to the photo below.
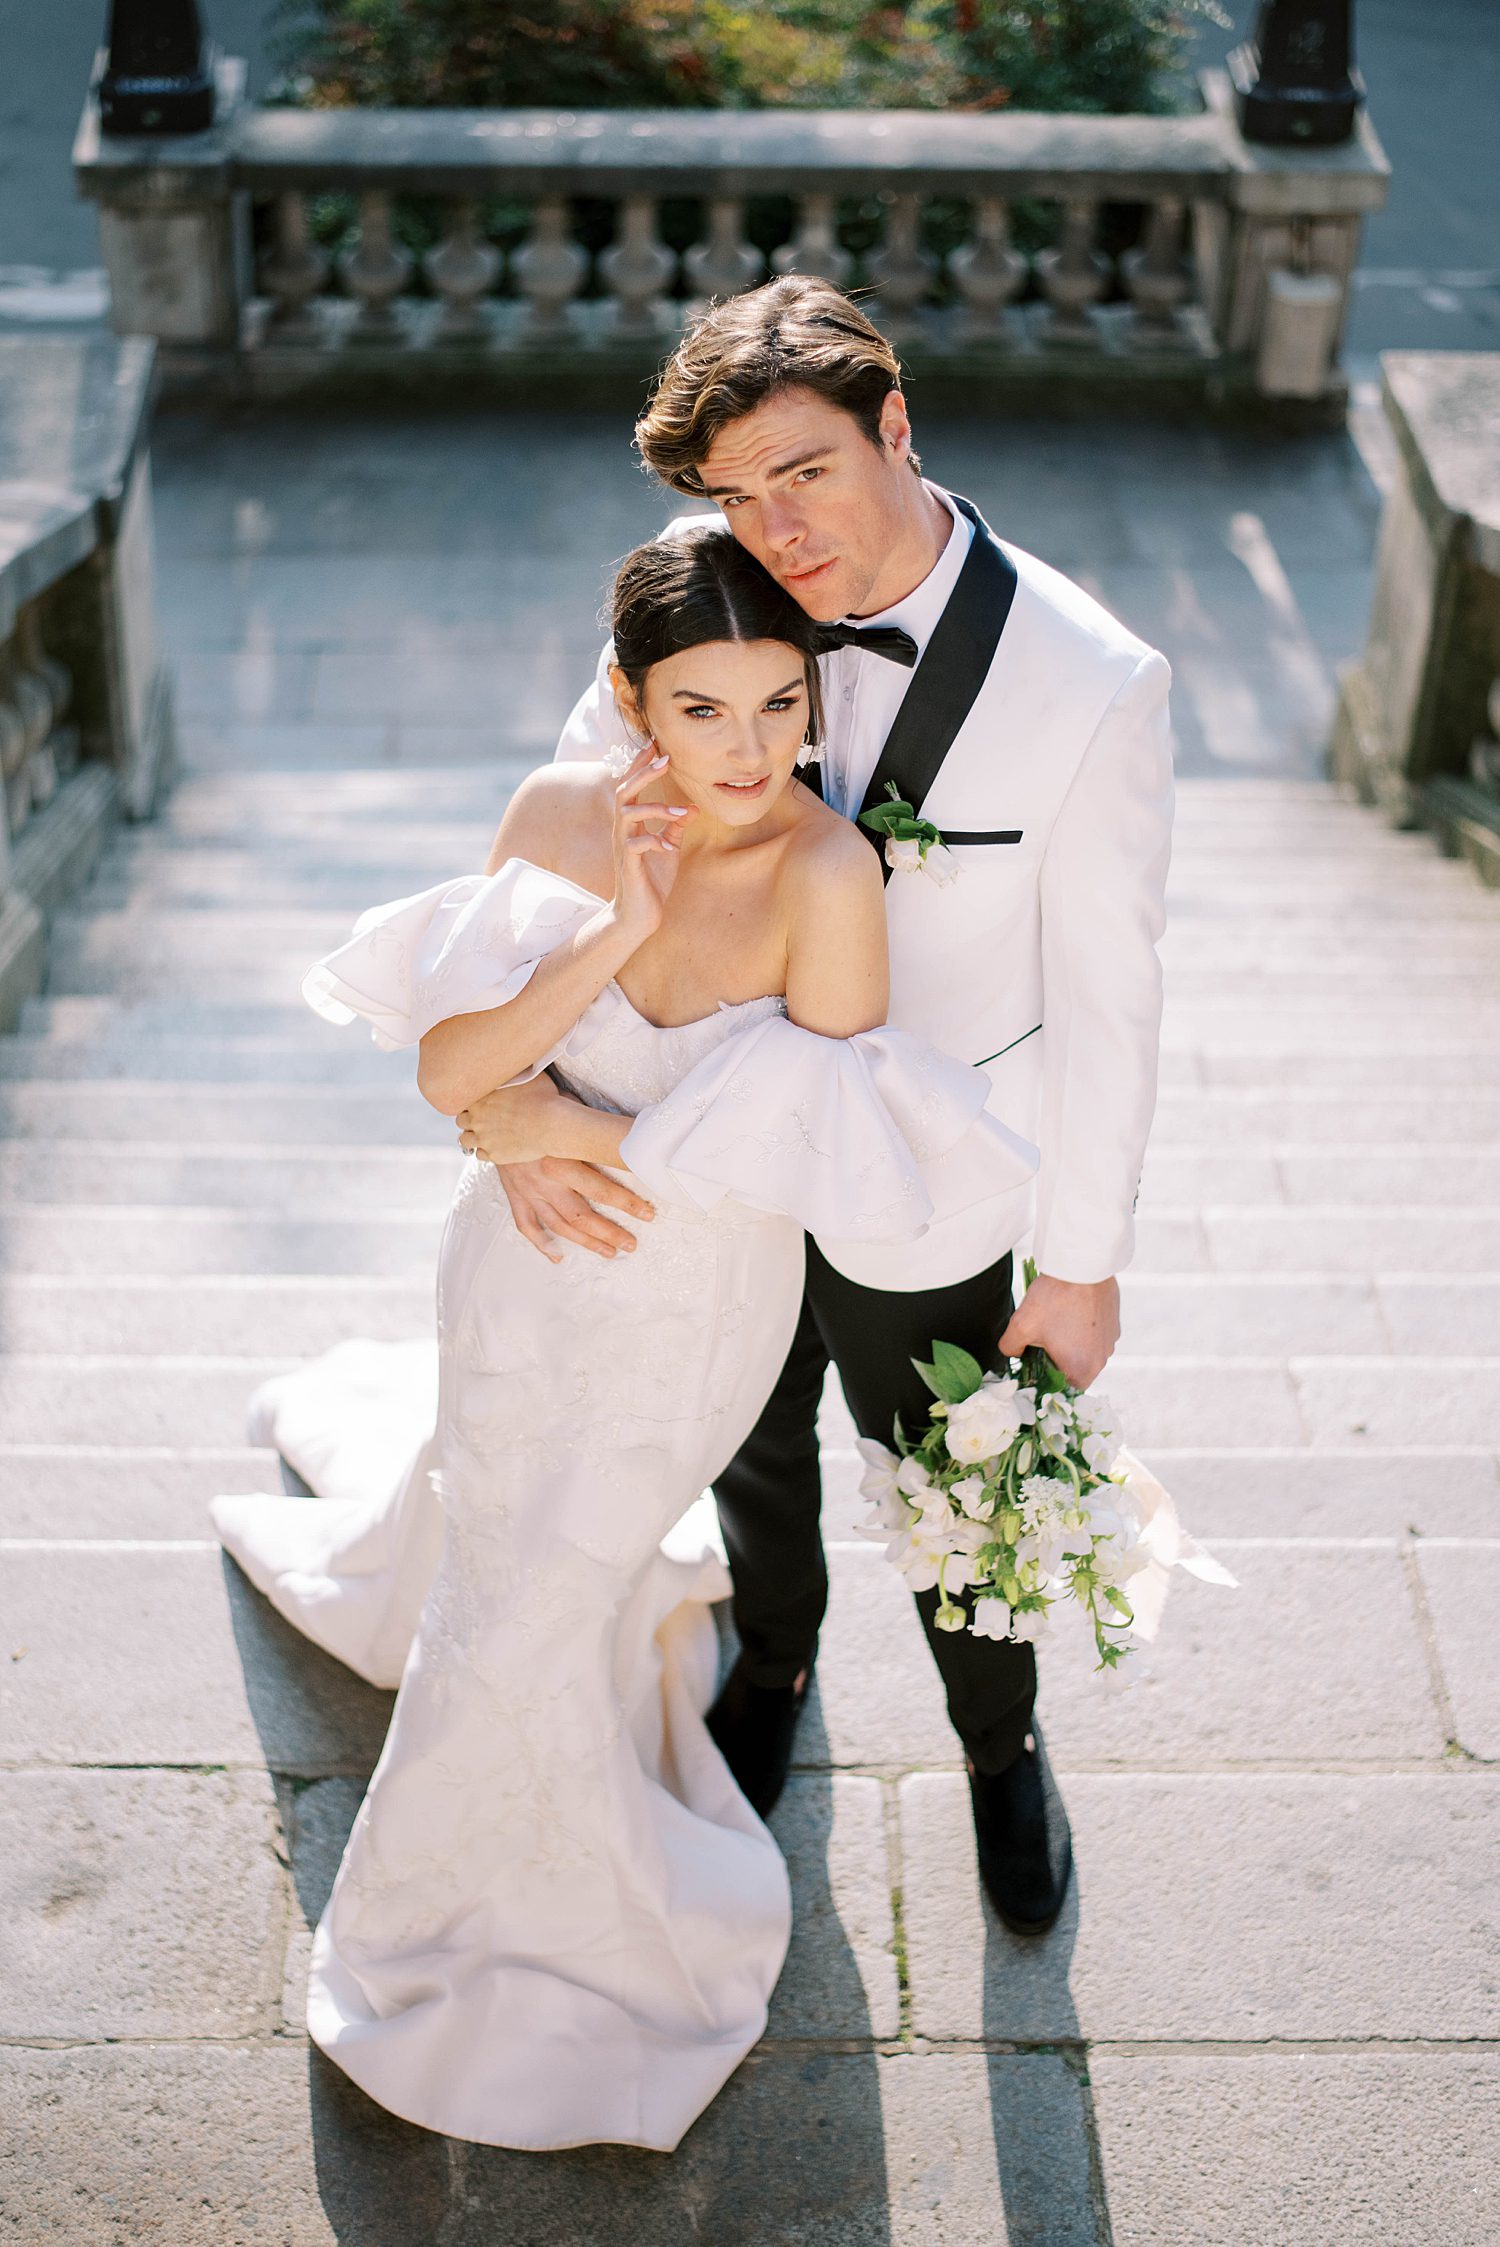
[646,839]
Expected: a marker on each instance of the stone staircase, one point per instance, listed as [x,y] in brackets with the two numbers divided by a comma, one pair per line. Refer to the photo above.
[1286,1836]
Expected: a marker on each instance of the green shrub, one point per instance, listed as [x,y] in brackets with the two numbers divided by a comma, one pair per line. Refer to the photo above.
[1098,55]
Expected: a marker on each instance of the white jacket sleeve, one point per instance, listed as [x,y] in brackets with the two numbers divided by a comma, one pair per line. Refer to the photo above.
[868,1138]
[1102,895]
[594,724]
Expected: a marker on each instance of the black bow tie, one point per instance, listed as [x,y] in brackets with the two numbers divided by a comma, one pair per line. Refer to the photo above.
[878,639]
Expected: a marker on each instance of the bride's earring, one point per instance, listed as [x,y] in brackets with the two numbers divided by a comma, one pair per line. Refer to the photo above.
[621,755]
[811,752]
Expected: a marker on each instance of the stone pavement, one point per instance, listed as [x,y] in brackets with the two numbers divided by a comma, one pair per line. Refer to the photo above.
[1271,2014]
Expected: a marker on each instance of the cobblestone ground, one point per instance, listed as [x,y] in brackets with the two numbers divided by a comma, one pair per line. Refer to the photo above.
[1271,2013]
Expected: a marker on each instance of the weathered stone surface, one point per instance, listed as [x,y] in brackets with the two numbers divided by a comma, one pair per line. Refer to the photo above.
[1337,1240]
[317,1819]
[889,1712]
[249,1178]
[1233,1906]
[139,1903]
[1436,1400]
[1461,1583]
[822,2150]
[192,2146]
[1193,1400]
[62,1490]
[1348,2149]
[1315,1658]
[1259,1316]
[1442,1317]
[274,1115]
[212,1318]
[840,1978]
[398,1245]
[1359,1491]
[127,1400]
[171,1657]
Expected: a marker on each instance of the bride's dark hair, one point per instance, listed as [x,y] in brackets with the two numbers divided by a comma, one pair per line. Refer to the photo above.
[697,586]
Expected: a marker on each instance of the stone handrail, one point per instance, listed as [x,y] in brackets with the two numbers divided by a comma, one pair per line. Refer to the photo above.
[1418,724]
[85,706]
[1237,285]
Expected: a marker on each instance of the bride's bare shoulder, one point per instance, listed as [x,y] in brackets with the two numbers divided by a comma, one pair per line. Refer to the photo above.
[554,809]
[829,854]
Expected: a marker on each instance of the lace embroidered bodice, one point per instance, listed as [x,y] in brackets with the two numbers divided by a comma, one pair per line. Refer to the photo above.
[618,1059]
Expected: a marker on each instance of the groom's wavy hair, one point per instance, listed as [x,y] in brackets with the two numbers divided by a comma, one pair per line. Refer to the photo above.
[798,332]
[699,586]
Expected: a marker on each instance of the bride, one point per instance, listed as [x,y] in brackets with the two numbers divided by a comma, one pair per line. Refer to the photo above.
[557,1921]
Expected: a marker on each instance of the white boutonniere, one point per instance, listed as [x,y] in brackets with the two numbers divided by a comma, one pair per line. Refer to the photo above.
[912,845]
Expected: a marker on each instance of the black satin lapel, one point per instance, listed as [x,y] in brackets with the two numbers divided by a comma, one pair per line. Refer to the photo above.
[949,677]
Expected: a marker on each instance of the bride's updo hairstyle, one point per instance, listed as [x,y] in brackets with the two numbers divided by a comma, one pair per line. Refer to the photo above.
[699,586]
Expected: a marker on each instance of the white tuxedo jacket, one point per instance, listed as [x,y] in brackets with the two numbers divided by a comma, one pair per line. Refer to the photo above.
[1039,962]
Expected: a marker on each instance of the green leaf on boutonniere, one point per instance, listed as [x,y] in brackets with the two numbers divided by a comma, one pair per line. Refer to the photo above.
[898,821]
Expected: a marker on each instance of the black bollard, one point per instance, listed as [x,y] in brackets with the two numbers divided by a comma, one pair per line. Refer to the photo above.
[1294,79]
[159,69]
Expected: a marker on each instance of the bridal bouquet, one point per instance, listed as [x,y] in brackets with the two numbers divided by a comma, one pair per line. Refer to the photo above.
[1020,1491]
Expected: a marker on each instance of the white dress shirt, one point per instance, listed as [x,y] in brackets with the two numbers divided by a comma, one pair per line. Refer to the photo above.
[862,692]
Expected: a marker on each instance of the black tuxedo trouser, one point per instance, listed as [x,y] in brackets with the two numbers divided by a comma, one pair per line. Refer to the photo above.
[770,1496]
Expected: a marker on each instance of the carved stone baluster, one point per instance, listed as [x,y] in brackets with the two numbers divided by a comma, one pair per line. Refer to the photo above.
[294,272]
[1072,277]
[44,687]
[463,269]
[988,273]
[814,247]
[375,271]
[636,269]
[1157,277]
[15,777]
[723,263]
[902,270]
[549,270]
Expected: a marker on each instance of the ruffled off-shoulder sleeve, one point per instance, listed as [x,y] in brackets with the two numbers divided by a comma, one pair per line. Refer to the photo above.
[457,948]
[870,1138]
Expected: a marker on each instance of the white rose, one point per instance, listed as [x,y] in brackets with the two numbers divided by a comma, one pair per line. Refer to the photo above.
[940,865]
[906,857]
[988,1422]
[991,1618]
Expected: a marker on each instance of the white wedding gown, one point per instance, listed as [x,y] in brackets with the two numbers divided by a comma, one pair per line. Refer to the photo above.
[557,1921]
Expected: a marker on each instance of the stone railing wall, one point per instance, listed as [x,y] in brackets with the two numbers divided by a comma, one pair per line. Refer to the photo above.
[85,706]
[1418,725]
[1235,287]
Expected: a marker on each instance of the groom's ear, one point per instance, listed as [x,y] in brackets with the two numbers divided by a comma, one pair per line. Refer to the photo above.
[895,425]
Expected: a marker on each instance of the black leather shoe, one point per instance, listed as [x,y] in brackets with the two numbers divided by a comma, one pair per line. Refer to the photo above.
[753,1726]
[1025,1842]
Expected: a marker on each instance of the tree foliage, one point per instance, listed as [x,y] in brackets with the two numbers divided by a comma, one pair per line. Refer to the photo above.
[1095,55]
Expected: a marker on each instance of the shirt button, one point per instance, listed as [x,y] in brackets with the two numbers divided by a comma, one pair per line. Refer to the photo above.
[848,694]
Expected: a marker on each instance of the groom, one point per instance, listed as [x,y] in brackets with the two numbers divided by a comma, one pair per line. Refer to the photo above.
[1030,727]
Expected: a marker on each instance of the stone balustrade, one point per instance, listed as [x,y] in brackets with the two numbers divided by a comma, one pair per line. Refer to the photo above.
[1235,287]
[1418,725]
[85,704]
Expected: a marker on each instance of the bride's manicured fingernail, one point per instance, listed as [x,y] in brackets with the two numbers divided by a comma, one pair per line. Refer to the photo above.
[658,762]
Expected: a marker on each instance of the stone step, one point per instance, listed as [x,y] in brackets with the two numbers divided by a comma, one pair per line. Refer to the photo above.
[300,1116]
[313,1178]
[181,1061]
[187,1318]
[1188,1401]
[104,1491]
[102,1241]
[1401,1237]
[81,1018]
[1214,1314]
